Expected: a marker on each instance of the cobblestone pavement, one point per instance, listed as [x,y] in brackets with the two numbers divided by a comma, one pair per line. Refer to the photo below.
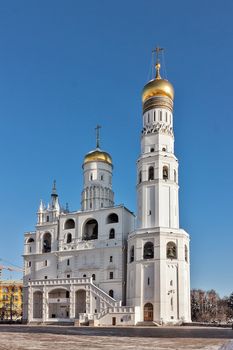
[70,338]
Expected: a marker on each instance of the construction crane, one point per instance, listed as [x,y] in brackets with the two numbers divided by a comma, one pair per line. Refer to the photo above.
[9,268]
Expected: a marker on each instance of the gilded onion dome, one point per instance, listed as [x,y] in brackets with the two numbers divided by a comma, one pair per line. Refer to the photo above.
[98,155]
[158,87]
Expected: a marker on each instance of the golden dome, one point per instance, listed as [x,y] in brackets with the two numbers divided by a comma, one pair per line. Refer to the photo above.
[157,87]
[98,156]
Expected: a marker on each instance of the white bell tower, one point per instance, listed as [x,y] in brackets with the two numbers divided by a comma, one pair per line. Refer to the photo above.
[97,177]
[158,258]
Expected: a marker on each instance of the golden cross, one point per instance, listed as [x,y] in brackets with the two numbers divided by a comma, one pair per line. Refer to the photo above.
[157,51]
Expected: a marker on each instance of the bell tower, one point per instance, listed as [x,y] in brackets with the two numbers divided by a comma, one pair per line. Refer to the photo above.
[158,261]
[97,177]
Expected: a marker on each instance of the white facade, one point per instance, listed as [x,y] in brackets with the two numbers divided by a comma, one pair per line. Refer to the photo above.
[94,265]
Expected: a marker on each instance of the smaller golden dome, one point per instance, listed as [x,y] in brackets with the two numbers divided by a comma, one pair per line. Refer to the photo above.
[157,87]
[97,156]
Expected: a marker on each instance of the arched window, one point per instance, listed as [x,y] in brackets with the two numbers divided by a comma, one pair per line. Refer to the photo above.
[174,175]
[151,173]
[171,250]
[112,218]
[69,238]
[186,253]
[131,256]
[46,243]
[90,230]
[165,172]
[93,277]
[69,224]
[148,252]
[140,177]
[30,240]
[111,293]
[112,233]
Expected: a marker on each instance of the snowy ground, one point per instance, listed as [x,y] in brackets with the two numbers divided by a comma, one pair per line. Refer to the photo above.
[70,338]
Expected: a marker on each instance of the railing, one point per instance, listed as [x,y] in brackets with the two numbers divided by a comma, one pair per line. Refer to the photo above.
[121,310]
[104,296]
[59,281]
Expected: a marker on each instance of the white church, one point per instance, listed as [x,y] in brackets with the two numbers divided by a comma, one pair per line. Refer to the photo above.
[101,266]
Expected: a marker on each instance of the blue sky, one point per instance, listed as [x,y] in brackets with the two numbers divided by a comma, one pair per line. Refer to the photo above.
[66,66]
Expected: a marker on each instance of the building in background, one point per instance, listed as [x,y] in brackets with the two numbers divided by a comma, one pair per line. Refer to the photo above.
[95,265]
[11,300]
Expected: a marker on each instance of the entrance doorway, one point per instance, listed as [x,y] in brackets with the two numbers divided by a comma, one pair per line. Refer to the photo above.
[148,312]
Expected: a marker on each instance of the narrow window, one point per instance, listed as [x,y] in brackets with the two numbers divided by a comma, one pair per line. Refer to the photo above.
[171,304]
[29,264]
[166,117]
[90,205]
[186,253]
[91,177]
[148,281]
[165,172]
[93,277]
[102,177]
[84,275]
[171,283]
[131,258]
[45,277]
[67,294]
[30,249]
[67,276]
[154,116]
[111,275]
[68,262]
[148,118]
[160,115]
[47,218]
[102,205]
[174,175]
[45,263]
[140,177]
[152,149]
[69,238]
[151,173]
[110,259]
[111,293]
[112,233]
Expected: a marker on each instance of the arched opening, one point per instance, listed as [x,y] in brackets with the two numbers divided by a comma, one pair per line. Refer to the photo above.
[38,305]
[30,240]
[151,173]
[90,230]
[47,238]
[148,252]
[171,250]
[93,277]
[148,312]
[112,218]
[165,172]
[112,233]
[131,257]
[111,293]
[59,303]
[69,238]
[80,302]
[69,224]
[186,253]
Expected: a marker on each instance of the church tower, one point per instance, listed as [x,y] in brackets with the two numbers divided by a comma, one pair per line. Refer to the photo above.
[97,178]
[158,254]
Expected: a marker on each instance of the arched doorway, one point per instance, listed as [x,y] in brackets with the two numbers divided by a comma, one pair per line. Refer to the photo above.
[80,302]
[37,305]
[59,303]
[148,312]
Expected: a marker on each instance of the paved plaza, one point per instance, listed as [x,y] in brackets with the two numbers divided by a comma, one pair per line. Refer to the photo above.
[19,337]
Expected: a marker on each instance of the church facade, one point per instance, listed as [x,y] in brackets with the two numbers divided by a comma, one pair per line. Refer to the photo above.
[101,265]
